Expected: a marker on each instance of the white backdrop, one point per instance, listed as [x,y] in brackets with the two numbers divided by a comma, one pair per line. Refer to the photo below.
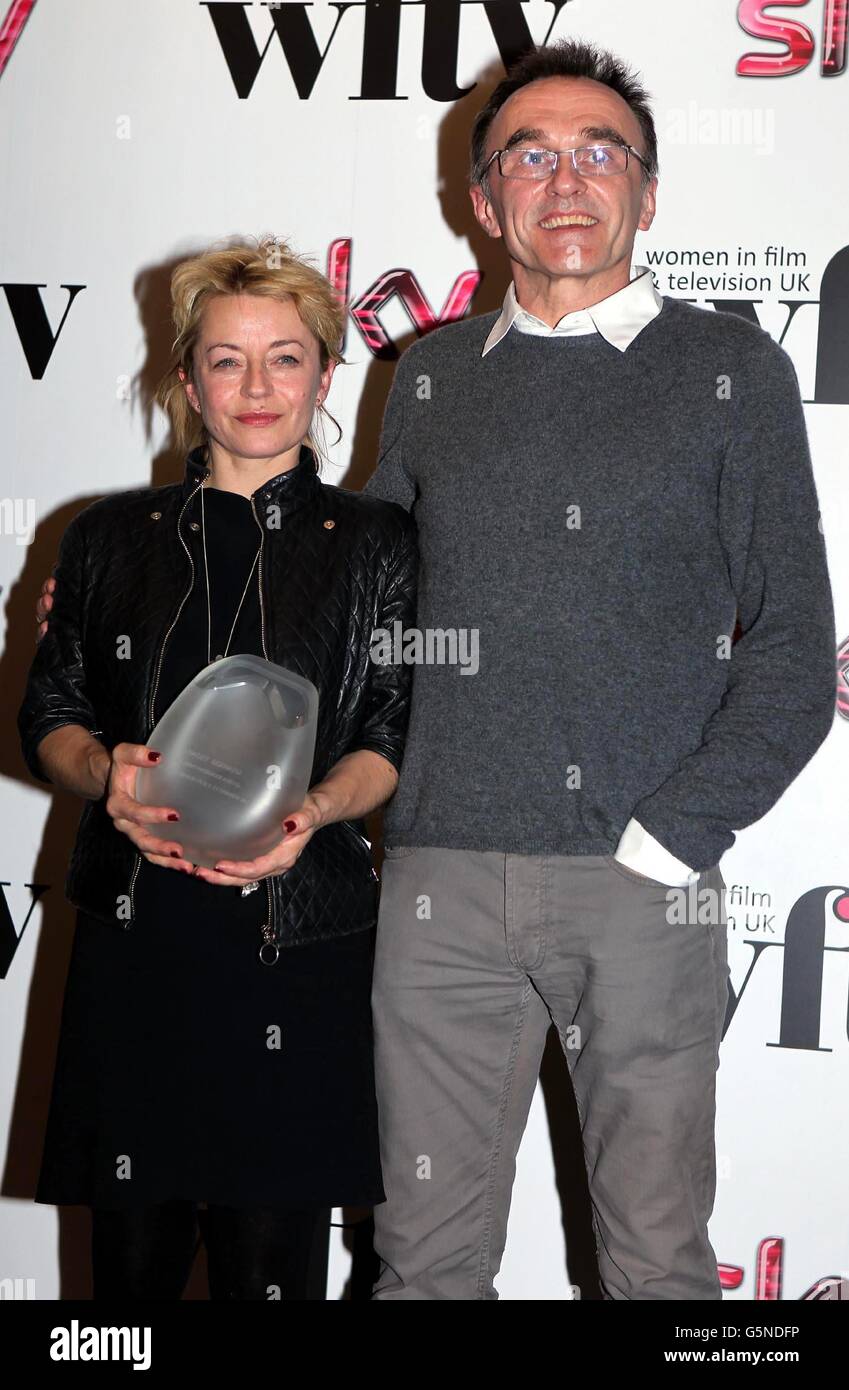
[127,140]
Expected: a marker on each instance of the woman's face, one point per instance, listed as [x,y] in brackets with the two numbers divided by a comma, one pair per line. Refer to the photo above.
[257,376]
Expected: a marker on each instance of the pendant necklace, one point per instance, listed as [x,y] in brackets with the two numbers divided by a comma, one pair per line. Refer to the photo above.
[208,606]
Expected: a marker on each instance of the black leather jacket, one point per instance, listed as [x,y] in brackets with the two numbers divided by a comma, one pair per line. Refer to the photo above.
[126,565]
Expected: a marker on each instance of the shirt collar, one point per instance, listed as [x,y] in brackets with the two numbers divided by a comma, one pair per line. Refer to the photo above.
[288,490]
[618,318]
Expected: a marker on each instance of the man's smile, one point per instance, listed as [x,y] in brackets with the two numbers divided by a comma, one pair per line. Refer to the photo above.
[567,219]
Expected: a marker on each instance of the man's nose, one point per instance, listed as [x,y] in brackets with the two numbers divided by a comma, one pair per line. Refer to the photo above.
[565,179]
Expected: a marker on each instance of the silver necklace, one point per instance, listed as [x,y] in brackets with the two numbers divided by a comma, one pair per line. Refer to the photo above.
[208,606]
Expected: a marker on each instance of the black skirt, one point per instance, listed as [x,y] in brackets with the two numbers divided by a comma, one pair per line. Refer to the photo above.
[186,1068]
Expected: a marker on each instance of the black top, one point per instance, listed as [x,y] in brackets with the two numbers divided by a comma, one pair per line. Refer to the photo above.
[232,540]
[187,1068]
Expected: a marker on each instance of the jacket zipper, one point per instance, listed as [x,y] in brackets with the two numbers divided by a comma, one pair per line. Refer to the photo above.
[268,942]
[158,669]
[362,839]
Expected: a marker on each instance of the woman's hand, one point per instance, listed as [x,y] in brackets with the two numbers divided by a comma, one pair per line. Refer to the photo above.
[356,785]
[299,829]
[131,817]
[44,605]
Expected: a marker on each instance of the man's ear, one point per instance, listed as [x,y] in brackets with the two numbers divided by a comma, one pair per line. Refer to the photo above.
[484,211]
[648,205]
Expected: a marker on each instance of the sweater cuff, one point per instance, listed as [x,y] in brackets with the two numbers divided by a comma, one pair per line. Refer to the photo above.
[640,851]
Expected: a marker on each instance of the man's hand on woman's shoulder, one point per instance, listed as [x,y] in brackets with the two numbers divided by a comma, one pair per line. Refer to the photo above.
[43,606]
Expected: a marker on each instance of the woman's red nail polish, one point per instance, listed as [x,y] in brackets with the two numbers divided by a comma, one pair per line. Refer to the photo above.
[172,815]
[289,825]
[175,854]
[153,757]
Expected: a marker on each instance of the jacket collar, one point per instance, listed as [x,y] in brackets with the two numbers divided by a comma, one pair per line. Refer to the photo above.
[287,490]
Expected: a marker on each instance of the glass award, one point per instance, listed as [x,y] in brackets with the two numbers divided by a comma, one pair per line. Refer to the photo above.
[237,751]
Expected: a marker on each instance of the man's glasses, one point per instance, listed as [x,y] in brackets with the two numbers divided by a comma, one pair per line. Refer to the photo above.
[524,162]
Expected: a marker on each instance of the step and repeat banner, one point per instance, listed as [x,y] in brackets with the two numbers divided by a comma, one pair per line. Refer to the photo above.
[135,132]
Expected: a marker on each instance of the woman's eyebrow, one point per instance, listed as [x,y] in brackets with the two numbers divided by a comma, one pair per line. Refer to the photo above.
[234,347]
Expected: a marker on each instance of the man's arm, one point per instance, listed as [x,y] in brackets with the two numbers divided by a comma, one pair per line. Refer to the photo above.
[778,705]
[640,851]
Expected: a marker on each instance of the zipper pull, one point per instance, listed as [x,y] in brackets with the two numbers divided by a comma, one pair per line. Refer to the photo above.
[268,945]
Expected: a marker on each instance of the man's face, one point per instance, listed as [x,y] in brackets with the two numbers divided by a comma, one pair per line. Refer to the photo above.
[559,113]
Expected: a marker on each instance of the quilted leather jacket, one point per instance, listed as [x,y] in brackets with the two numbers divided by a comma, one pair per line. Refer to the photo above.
[334,565]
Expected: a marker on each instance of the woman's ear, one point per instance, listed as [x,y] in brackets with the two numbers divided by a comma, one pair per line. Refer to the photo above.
[190,389]
[325,380]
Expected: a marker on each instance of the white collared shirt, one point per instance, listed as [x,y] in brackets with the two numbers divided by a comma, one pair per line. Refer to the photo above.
[618,318]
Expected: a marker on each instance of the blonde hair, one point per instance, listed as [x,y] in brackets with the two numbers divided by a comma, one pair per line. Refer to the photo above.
[268,268]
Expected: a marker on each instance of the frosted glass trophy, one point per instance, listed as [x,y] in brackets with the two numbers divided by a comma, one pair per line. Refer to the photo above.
[237,751]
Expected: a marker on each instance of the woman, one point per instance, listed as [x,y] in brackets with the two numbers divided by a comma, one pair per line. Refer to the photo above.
[215,1046]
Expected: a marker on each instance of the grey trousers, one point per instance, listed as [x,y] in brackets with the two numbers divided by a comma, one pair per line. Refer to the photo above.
[477,953]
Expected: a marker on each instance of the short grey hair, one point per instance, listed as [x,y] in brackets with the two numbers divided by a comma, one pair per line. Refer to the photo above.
[567,58]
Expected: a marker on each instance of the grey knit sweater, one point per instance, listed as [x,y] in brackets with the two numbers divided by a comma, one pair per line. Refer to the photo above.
[600,518]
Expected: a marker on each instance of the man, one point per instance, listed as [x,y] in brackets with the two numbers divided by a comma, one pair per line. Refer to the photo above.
[604,479]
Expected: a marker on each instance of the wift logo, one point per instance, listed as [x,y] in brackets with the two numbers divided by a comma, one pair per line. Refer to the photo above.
[77,1343]
[812,933]
[438,22]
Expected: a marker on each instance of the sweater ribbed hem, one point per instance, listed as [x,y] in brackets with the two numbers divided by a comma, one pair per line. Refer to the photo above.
[521,844]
